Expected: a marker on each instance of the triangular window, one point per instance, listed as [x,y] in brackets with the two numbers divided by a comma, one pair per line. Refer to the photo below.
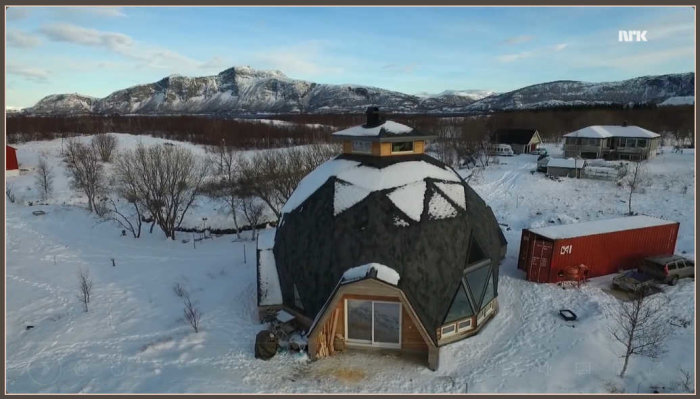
[476,280]
[460,308]
[489,293]
[475,252]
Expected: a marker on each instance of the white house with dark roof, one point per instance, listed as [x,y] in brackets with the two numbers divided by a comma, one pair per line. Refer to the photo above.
[612,142]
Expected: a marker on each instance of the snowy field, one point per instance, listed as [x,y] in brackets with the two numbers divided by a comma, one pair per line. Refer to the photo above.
[134,337]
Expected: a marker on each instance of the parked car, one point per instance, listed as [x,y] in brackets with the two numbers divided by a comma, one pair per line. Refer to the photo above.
[502,150]
[668,269]
[633,281]
[539,151]
[542,162]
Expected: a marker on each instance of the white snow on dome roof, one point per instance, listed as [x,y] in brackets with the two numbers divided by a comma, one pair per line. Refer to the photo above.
[570,163]
[367,178]
[347,195]
[388,126]
[602,132]
[384,273]
[409,199]
[455,192]
[599,227]
[440,208]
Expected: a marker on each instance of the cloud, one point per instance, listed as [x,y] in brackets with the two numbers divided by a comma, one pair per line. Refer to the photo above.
[215,63]
[305,58]
[17,38]
[32,74]
[560,46]
[518,39]
[514,57]
[632,61]
[16,13]
[151,56]
[106,11]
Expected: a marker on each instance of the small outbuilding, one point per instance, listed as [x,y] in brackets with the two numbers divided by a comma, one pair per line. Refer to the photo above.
[601,246]
[384,247]
[565,167]
[11,164]
[521,140]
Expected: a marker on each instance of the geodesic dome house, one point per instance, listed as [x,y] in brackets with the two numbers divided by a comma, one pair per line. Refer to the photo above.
[383,246]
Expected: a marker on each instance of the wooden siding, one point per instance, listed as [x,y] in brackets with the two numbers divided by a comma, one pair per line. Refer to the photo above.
[347,147]
[414,338]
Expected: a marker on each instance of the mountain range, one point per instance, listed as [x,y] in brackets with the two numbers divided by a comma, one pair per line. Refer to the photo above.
[246,91]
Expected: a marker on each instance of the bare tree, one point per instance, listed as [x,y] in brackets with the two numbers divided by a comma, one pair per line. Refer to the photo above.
[105,145]
[253,211]
[192,314]
[633,180]
[686,381]
[84,288]
[166,180]
[227,187]
[639,325]
[85,171]
[44,178]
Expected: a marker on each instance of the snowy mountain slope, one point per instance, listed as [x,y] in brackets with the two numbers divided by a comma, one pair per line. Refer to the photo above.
[134,338]
[642,90]
[243,90]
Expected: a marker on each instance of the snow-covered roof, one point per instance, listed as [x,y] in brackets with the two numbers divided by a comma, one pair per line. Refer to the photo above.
[266,238]
[602,132]
[356,181]
[269,291]
[570,163]
[599,227]
[388,127]
[384,273]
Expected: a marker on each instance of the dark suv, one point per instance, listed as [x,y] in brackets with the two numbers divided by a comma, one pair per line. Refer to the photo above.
[668,268]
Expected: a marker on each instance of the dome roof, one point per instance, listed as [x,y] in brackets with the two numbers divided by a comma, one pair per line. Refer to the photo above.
[413,214]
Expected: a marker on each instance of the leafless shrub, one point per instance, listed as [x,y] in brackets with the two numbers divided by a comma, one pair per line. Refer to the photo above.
[192,314]
[639,325]
[253,211]
[84,288]
[179,290]
[633,180]
[226,187]
[611,387]
[165,180]
[10,192]
[44,178]
[85,171]
[104,144]
[686,382]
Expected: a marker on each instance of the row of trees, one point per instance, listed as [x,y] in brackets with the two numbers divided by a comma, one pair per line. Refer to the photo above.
[195,129]
[159,183]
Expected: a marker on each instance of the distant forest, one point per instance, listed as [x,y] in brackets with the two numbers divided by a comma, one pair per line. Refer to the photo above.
[316,128]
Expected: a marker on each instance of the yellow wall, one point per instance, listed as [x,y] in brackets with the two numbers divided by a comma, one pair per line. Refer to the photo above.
[384,149]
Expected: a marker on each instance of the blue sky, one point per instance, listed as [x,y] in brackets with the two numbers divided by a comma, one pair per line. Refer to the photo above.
[96,50]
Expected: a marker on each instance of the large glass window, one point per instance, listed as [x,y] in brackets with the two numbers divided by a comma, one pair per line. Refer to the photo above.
[375,323]
[489,294]
[460,308]
[387,317]
[641,143]
[476,280]
[359,320]
[403,146]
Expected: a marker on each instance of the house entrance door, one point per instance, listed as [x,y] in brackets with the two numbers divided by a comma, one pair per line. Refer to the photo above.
[373,323]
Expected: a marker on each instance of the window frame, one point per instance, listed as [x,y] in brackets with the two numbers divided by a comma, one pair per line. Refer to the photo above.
[372,343]
[412,150]
[363,143]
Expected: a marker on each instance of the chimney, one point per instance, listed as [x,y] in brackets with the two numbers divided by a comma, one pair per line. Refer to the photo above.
[373,117]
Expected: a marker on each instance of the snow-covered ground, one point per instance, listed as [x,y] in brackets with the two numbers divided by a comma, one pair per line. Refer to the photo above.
[134,337]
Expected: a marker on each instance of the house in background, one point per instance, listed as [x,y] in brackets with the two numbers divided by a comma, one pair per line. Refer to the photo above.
[11,165]
[522,141]
[612,142]
[565,167]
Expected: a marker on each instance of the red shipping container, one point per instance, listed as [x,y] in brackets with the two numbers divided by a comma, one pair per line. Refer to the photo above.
[604,246]
[10,158]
